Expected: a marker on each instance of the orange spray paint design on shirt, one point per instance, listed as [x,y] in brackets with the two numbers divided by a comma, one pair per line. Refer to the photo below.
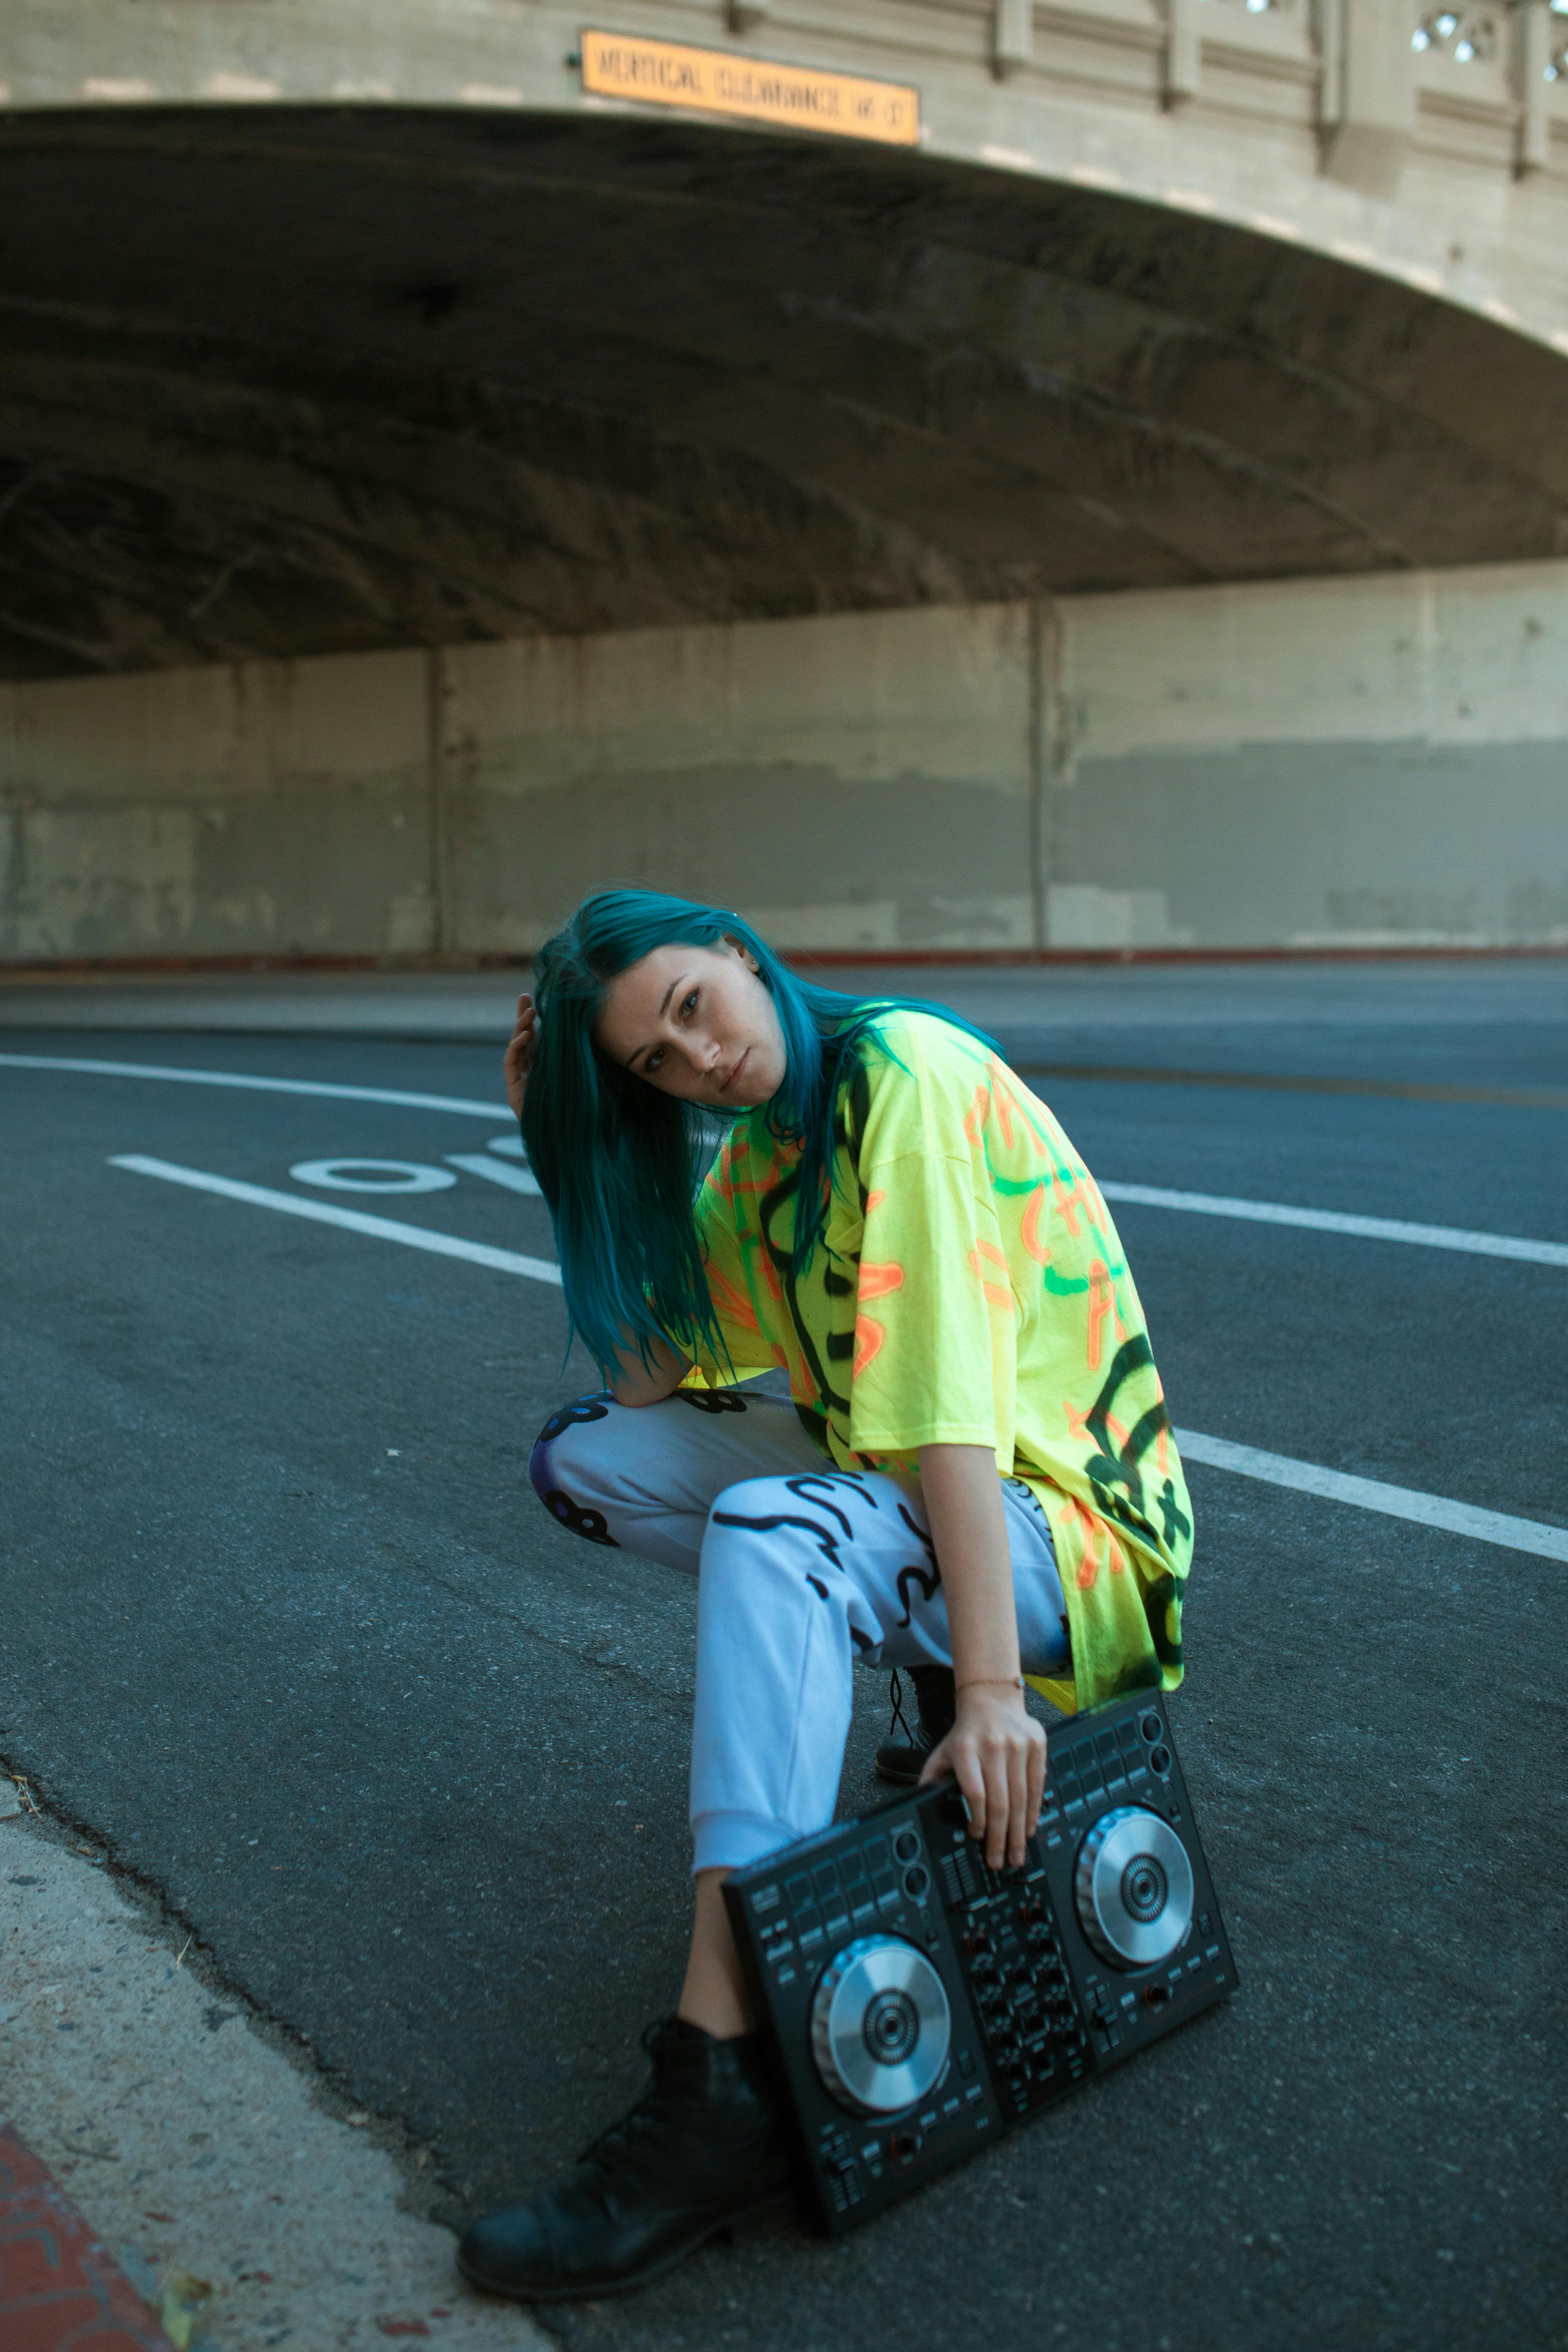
[731,1303]
[998,1294]
[1101,1303]
[1078,1423]
[876,1282]
[1093,1527]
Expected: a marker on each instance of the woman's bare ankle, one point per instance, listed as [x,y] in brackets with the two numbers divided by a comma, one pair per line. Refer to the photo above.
[714,1994]
[724,2020]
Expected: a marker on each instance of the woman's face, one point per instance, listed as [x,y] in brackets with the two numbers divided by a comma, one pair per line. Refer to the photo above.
[697,1022]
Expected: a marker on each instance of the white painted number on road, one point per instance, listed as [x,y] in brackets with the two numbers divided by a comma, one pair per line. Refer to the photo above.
[371,1175]
[497,1171]
[348,1175]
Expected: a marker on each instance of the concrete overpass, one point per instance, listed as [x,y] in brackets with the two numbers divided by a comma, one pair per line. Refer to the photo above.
[333,331]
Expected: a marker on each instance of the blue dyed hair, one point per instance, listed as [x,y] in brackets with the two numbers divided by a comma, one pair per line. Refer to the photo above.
[617,1160]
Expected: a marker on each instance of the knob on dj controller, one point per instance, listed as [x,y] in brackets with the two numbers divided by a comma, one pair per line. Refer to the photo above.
[880,2026]
[1134,1886]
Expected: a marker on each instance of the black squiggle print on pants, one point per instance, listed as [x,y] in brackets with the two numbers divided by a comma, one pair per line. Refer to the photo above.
[927,1579]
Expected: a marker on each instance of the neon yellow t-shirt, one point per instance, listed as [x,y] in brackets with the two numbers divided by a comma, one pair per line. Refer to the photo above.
[971,1290]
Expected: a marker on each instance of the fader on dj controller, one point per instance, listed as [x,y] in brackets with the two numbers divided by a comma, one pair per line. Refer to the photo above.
[921,2004]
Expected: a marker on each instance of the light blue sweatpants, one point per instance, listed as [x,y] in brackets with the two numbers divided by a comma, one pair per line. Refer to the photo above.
[802,1568]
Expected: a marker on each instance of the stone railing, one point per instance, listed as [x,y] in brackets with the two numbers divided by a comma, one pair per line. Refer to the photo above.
[1379,78]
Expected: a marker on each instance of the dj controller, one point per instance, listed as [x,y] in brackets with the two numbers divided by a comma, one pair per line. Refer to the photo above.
[921,2004]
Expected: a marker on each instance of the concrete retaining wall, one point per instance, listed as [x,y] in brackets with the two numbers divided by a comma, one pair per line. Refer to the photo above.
[1355,762]
[1367,762]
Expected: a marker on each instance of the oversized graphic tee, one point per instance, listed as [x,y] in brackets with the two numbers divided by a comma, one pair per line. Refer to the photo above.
[970,1289]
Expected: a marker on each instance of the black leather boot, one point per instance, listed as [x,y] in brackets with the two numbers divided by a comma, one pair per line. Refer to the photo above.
[701,2153]
[903,1760]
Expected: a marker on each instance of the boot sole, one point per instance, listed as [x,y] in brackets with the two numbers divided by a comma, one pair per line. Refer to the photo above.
[769,2214]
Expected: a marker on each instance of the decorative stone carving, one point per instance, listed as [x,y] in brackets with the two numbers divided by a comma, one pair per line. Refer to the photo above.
[1013,37]
[1469,36]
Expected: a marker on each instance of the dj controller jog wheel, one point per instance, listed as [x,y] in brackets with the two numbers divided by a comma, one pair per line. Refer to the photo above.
[880,2026]
[1133,1886]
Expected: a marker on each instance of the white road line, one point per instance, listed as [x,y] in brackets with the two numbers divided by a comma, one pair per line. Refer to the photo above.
[1150,1196]
[354,1220]
[1334,1221]
[459,1104]
[496,1171]
[1371,1494]
[1244,1461]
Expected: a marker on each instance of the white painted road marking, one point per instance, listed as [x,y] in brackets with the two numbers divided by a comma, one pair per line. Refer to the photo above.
[1244,1461]
[458,1104]
[374,1176]
[1371,1494]
[354,1220]
[1334,1221]
[496,1171]
[1152,1196]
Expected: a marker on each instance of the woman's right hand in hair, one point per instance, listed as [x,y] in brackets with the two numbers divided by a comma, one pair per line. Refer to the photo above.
[520,1052]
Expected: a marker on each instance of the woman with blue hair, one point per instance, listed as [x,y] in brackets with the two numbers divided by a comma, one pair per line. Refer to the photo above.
[881,1380]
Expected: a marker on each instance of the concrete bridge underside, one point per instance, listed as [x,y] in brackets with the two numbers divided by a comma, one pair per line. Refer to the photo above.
[278,382]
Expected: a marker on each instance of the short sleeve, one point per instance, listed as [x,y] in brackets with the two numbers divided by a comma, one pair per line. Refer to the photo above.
[936,1357]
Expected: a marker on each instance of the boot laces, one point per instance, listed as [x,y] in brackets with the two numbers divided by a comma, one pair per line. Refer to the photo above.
[648,2119]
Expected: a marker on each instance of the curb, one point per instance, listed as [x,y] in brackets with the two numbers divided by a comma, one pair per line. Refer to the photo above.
[32,971]
[58,2284]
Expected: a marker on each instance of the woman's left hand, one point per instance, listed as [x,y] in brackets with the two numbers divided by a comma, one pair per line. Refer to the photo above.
[996,1752]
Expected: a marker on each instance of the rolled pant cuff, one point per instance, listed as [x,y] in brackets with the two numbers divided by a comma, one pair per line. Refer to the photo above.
[735,1841]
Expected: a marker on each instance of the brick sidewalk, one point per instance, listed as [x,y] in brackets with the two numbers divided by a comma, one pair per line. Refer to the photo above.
[58,2285]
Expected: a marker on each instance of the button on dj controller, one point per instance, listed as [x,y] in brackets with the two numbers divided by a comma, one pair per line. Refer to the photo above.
[918,2001]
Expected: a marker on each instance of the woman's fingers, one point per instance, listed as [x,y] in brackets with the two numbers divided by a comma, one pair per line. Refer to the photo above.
[518,1058]
[1018,1822]
[1036,1782]
[958,1757]
[971,1777]
[998,1806]
[1002,1776]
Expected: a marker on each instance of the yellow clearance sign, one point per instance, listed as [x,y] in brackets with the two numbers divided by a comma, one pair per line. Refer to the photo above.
[711,82]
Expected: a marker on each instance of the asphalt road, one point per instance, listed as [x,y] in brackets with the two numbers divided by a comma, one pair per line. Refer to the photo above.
[285,1629]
